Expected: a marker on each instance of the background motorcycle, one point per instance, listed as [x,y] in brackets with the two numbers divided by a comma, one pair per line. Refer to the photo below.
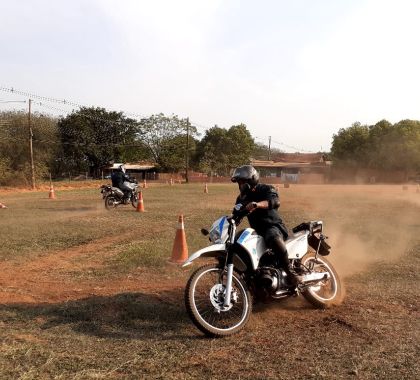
[113,196]
[219,297]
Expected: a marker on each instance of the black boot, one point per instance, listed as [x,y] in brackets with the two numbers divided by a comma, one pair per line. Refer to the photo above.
[279,248]
[292,279]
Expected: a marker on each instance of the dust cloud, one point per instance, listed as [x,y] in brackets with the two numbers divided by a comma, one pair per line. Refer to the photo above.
[352,253]
[365,224]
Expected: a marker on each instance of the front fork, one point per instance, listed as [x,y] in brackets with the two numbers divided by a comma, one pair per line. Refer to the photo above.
[228,293]
[229,264]
[229,276]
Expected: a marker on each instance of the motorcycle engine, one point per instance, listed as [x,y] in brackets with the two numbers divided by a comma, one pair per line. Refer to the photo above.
[269,278]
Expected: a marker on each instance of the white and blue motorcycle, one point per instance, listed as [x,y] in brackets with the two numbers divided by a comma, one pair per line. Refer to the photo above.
[219,296]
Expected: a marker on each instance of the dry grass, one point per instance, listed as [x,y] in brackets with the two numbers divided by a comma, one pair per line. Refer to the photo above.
[86,294]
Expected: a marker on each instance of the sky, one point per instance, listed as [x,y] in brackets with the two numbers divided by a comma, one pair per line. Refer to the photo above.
[297,71]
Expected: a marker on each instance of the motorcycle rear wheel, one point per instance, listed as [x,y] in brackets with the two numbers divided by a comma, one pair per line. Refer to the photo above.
[204,302]
[110,202]
[329,292]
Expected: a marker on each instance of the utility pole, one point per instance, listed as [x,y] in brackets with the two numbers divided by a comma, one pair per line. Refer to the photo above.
[186,150]
[31,151]
[269,148]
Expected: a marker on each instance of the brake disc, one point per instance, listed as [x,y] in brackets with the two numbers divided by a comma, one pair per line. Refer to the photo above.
[217,298]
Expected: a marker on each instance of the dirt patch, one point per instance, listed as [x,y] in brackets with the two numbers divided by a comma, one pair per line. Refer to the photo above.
[58,276]
[60,320]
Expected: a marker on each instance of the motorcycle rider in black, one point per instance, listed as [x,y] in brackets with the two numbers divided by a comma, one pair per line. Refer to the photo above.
[118,178]
[262,203]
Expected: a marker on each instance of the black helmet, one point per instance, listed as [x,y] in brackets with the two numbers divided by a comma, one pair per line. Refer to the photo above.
[246,173]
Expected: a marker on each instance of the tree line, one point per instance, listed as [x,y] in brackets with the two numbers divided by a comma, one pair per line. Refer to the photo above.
[382,146]
[89,139]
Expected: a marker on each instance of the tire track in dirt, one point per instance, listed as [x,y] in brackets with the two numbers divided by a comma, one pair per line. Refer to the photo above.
[46,278]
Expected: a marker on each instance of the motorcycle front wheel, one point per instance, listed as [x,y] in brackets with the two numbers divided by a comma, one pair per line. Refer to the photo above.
[328,292]
[135,199]
[204,299]
[110,202]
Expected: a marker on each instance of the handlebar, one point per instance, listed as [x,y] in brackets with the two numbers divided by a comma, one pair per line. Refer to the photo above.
[239,212]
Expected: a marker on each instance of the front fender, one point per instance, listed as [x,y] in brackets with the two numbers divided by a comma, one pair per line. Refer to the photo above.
[210,251]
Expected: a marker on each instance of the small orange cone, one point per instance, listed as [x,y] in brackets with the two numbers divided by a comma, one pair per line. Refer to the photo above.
[2,205]
[206,189]
[140,205]
[51,194]
[144,184]
[180,249]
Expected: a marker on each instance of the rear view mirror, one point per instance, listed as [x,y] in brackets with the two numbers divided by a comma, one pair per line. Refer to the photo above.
[204,232]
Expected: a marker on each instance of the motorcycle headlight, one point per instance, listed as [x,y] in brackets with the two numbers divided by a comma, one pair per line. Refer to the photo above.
[215,235]
[219,230]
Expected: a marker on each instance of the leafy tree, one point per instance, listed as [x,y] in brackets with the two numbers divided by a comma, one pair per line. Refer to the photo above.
[173,156]
[240,145]
[376,156]
[400,147]
[350,145]
[92,137]
[165,138]
[383,146]
[14,146]
[212,156]
[220,150]
[260,151]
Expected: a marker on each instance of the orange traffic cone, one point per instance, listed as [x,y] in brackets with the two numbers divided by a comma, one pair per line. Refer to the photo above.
[206,189]
[180,249]
[2,205]
[140,205]
[144,184]
[51,194]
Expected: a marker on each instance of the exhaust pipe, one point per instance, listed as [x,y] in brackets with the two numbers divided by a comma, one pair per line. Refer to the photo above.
[313,278]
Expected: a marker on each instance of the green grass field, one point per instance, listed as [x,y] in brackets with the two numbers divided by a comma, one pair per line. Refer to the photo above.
[89,294]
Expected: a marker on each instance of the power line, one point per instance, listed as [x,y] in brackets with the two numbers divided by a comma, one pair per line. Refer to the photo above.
[74,104]
[60,101]
[296,149]
[79,105]
[292,147]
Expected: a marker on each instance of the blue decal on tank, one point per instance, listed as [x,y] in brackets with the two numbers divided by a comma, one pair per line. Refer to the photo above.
[222,222]
[243,236]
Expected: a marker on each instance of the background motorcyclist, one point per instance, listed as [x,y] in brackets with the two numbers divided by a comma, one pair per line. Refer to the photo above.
[262,202]
[118,178]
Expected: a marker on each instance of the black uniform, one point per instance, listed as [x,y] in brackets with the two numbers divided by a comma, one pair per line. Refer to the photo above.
[267,222]
[118,179]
